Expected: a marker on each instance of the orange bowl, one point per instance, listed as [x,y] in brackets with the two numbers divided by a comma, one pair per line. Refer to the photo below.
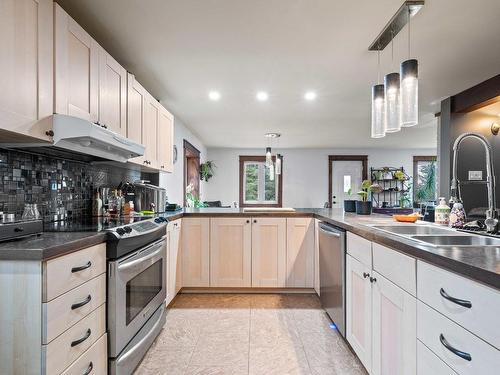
[406,218]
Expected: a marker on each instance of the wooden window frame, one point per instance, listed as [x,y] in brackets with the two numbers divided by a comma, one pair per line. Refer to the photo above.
[249,158]
[416,159]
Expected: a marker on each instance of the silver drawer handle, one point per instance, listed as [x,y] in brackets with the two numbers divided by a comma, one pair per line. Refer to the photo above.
[461,302]
[89,369]
[81,304]
[79,341]
[81,268]
[455,351]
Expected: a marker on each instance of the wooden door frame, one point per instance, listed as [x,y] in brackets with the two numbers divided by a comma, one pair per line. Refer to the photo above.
[331,158]
[189,152]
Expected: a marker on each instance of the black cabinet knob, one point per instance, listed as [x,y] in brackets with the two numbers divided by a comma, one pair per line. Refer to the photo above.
[365,275]
[255,221]
[248,221]
[49,133]
[373,280]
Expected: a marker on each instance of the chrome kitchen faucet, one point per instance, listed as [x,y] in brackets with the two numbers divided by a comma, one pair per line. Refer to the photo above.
[491,221]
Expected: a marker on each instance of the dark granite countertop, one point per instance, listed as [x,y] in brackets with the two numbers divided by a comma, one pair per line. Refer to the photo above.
[49,245]
[477,263]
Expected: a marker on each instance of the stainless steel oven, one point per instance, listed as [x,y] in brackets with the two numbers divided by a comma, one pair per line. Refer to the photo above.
[136,295]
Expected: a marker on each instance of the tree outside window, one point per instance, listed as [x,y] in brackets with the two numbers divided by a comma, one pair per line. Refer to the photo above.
[424,179]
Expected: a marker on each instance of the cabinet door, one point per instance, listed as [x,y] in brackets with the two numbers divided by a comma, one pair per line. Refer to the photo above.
[268,252]
[150,132]
[173,235]
[26,63]
[359,310]
[394,341]
[300,252]
[165,140]
[136,113]
[76,68]
[230,252]
[316,257]
[195,252]
[176,242]
[112,93]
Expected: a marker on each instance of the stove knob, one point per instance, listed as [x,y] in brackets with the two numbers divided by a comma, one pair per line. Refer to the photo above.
[120,231]
[127,229]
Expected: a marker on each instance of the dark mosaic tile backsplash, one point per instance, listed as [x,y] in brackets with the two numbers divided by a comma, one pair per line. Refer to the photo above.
[53,183]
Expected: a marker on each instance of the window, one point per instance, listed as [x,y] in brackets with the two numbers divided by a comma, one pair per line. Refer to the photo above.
[256,187]
[424,179]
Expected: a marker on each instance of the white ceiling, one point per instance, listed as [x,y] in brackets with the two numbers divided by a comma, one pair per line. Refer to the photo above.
[182,49]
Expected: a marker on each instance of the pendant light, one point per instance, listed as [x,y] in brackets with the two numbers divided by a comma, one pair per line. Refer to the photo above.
[278,164]
[269,158]
[392,108]
[271,172]
[378,106]
[409,86]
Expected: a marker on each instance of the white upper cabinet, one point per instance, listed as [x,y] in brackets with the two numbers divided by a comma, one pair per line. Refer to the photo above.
[165,141]
[76,68]
[26,63]
[112,94]
[136,112]
[150,132]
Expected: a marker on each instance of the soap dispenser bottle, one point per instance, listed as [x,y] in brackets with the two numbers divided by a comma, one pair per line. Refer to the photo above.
[442,212]
[457,215]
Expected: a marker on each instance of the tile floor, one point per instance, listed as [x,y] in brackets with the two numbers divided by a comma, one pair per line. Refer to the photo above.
[251,334]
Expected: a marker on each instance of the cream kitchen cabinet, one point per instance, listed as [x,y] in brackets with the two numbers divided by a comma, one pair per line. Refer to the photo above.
[230,252]
[359,310]
[394,316]
[173,258]
[76,67]
[268,252]
[112,94]
[300,252]
[380,307]
[136,113]
[165,142]
[316,257]
[26,41]
[150,132]
[195,244]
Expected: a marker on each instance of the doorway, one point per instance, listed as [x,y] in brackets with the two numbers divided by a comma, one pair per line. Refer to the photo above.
[191,169]
[345,174]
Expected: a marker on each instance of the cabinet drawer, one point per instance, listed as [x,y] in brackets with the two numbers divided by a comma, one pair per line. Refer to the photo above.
[397,267]
[428,363]
[360,249]
[433,328]
[481,318]
[65,349]
[95,360]
[66,310]
[67,272]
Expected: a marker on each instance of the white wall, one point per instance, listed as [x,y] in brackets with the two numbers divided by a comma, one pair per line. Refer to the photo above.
[173,182]
[305,171]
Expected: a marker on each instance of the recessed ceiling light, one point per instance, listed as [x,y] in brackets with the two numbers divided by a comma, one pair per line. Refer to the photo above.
[262,96]
[214,95]
[310,96]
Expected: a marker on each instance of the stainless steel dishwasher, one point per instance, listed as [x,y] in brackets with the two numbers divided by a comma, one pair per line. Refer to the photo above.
[332,273]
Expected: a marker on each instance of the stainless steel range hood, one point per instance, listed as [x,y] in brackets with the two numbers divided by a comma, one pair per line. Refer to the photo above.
[78,135]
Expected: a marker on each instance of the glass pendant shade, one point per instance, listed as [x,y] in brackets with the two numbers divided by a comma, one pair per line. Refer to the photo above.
[278,164]
[271,172]
[378,109]
[409,93]
[269,159]
[392,103]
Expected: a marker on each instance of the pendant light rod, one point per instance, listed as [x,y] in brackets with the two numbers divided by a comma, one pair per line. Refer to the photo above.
[409,9]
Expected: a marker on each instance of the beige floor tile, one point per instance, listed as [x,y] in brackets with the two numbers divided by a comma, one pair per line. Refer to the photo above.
[268,329]
[179,335]
[161,360]
[217,370]
[312,320]
[324,350]
[278,360]
[221,348]
[338,371]
[301,301]
[267,301]
[227,323]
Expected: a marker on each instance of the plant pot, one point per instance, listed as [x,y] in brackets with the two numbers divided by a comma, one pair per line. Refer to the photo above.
[350,205]
[363,208]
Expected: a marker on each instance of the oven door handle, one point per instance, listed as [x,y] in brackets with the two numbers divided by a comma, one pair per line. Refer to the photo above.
[133,263]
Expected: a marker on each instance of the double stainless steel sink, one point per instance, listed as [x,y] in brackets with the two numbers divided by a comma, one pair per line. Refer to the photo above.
[437,236]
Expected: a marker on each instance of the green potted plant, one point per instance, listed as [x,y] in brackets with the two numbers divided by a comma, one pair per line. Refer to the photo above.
[349,204]
[364,206]
[207,170]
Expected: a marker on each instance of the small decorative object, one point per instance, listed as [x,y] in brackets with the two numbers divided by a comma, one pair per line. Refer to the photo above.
[207,170]
[349,204]
[457,216]
[364,206]
[442,212]
[386,174]
[411,218]
[399,175]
